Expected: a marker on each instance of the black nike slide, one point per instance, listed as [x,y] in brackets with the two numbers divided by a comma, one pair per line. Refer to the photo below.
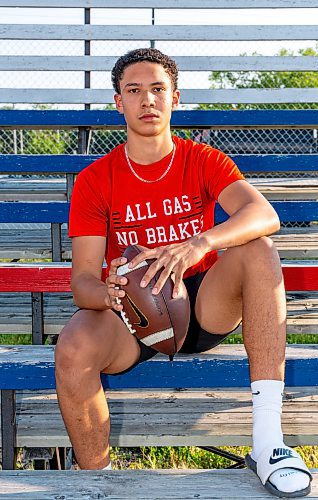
[273,459]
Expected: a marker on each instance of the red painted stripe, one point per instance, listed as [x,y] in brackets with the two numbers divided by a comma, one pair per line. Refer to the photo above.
[35,279]
[301,278]
[57,279]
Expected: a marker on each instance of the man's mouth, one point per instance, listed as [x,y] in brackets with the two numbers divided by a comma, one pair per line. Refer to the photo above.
[148,116]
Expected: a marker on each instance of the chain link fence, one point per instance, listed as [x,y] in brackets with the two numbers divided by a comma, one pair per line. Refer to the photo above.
[238,141]
[187,79]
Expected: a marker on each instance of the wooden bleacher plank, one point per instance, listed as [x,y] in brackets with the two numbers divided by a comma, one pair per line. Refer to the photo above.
[57,211]
[56,164]
[32,367]
[16,314]
[16,317]
[55,276]
[297,246]
[50,211]
[164,484]
[36,277]
[158,32]
[163,4]
[210,417]
[42,189]
[214,119]
[197,411]
[188,96]
[31,243]
[305,277]
[32,189]
[184,63]
[59,164]
[286,189]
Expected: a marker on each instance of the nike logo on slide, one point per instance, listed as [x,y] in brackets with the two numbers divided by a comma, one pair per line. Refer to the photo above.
[283,454]
[143,322]
[275,460]
[256,393]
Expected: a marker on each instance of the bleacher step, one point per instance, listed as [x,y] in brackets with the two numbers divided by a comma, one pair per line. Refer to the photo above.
[137,484]
[16,313]
[35,242]
[171,417]
[32,367]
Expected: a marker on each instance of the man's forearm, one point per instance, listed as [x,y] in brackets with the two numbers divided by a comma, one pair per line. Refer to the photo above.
[247,224]
[89,292]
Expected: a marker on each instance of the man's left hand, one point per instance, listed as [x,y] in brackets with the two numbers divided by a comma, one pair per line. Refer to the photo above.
[175,258]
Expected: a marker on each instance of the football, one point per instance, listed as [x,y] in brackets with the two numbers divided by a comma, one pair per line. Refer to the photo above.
[159,321]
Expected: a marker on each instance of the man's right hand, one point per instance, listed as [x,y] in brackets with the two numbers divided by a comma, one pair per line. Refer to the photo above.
[113,281]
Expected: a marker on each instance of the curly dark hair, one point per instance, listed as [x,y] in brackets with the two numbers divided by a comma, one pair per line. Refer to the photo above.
[140,55]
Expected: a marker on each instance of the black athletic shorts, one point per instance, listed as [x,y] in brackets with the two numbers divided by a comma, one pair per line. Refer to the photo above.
[197,339]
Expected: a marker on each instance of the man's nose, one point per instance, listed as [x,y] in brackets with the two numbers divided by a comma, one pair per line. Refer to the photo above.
[148,99]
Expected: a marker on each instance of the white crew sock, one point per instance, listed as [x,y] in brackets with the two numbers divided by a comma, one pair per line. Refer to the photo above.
[267,431]
[267,409]
[108,467]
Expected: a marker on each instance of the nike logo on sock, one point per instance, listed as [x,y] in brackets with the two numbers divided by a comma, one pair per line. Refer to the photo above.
[256,393]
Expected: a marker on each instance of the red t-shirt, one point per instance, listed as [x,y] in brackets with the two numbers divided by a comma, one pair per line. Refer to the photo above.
[109,200]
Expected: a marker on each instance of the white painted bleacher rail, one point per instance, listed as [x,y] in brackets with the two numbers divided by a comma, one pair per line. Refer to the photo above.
[178,33]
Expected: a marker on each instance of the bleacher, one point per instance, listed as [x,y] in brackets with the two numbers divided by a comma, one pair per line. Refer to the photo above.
[201,400]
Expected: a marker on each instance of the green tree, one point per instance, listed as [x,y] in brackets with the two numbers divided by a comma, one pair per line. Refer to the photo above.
[266,80]
[45,141]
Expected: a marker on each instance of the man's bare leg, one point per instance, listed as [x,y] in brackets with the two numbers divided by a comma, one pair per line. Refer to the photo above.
[92,342]
[246,282]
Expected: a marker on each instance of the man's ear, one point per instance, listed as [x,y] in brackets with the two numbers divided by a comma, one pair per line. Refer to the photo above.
[119,103]
[175,99]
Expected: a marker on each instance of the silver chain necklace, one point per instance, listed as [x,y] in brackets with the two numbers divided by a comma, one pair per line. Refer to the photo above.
[155,180]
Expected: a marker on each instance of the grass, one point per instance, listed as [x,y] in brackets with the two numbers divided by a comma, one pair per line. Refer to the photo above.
[189,457]
[236,338]
[15,339]
[12,339]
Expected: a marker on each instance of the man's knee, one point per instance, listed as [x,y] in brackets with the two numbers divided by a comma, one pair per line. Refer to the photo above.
[259,259]
[259,249]
[94,344]
[262,244]
[67,350]
[77,348]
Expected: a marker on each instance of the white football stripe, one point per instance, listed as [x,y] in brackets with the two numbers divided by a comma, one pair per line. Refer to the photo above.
[125,269]
[157,337]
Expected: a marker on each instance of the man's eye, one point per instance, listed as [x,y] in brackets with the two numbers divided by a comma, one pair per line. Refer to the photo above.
[133,91]
[159,89]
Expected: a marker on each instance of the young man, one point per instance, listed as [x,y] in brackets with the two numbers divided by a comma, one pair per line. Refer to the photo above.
[160,191]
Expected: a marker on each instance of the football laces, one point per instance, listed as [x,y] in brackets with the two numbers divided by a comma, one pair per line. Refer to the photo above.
[124,316]
[127,322]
